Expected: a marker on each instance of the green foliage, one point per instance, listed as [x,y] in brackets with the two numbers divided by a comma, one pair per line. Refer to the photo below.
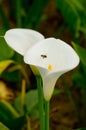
[17,123]
[81,52]
[31,12]
[74,15]
[57,91]
[10,117]
[5,51]
[34,14]
[11,76]
[31,104]
[4,65]
[3,127]
[80,75]
[4,19]
[7,109]
[79,78]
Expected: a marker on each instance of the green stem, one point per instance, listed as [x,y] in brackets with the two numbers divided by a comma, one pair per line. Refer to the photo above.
[23,96]
[46,115]
[41,103]
[28,123]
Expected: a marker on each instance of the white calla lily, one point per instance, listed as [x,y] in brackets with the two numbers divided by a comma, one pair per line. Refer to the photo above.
[53,58]
[22,39]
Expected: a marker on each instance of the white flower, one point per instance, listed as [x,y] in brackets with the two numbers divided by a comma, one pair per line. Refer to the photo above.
[22,39]
[53,58]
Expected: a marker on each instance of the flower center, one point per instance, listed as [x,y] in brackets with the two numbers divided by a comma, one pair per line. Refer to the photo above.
[50,67]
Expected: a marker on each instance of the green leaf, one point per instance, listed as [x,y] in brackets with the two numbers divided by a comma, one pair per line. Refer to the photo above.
[4,18]
[81,52]
[2,29]
[3,127]
[10,117]
[7,112]
[31,103]
[70,14]
[5,51]
[31,99]
[74,15]
[34,112]
[82,14]
[83,2]
[79,79]
[78,4]
[5,115]
[17,123]
[6,105]
[57,91]
[34,13]
[11,76]
[4,65]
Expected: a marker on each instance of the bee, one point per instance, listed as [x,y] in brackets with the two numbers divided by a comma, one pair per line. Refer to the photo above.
[43,56]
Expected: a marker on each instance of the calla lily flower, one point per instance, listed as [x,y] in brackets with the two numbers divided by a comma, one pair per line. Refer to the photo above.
[22,39]
[52,57]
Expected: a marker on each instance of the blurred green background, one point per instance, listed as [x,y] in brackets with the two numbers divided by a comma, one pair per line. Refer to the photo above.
[62,19]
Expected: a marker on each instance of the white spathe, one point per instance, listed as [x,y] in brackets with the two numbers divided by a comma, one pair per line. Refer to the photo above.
[22,39]
[53,58]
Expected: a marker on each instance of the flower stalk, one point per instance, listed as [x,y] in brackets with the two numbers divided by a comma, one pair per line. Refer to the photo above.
[23,96]
[46,115]
[40,103]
